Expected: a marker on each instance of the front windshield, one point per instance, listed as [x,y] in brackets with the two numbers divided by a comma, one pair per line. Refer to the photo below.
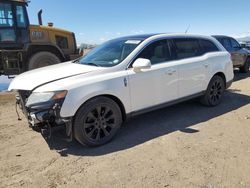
[110,53]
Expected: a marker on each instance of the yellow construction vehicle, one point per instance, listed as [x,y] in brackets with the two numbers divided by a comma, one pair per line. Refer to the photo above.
[24,47]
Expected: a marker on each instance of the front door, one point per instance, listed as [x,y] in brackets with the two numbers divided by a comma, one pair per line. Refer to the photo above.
[157,85]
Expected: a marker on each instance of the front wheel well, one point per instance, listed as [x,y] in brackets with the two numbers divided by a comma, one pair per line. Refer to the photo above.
[115,99]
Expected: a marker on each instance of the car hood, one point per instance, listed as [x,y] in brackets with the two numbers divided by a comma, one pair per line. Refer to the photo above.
[32,79]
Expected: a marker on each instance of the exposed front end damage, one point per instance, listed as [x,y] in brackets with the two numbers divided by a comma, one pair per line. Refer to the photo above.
[44,116]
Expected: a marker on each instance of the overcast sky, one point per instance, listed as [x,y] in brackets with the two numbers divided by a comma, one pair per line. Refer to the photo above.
[97,20]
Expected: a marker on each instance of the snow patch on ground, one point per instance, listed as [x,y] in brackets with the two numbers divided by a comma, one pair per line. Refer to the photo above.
[4,83]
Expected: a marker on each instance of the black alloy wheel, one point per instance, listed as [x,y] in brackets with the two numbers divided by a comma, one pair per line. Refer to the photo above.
[214,92]
[97,121]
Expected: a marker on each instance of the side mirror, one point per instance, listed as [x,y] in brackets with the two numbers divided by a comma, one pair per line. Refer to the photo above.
[141,63]
[237,47]
[243,45]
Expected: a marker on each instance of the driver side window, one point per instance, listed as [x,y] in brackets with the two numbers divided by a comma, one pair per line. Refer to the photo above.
[157,52]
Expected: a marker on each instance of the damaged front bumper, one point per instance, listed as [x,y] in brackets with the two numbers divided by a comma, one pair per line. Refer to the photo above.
[45,115]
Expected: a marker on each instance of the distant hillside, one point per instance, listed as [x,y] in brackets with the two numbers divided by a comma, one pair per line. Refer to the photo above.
[87,46]
[242,37]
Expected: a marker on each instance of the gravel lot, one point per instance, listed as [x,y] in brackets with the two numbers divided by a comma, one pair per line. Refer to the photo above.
[186,145]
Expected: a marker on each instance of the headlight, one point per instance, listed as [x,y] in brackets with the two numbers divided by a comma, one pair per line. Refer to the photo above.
[41,97]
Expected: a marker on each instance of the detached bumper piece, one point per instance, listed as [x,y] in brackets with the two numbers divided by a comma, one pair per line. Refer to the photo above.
[45,117]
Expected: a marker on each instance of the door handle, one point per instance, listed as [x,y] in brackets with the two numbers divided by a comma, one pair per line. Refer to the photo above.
[170,71]
[206,65]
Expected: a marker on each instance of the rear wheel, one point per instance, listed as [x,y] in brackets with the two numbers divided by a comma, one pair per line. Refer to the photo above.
[97,121]
[245,67]
[42,59]
[214,93]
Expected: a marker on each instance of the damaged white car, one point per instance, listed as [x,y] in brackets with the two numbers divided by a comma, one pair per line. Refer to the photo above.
[123,77]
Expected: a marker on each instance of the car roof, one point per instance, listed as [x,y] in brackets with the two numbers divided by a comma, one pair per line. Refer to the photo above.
[160,35]
[141,37]
[221,36]
[20,1]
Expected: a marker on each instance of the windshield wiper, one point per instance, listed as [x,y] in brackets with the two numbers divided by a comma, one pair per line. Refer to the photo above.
[92,64]
[76,61]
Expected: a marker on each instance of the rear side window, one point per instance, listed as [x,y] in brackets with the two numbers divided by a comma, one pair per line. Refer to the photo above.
[187,48]
[235,44]
[226,43]
[208,46]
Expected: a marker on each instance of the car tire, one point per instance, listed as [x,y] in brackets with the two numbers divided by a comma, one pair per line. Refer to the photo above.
[42,59]
[214,92]
[245,67]
[97,121]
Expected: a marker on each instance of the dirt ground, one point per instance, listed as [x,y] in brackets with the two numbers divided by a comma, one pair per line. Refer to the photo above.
[186,145]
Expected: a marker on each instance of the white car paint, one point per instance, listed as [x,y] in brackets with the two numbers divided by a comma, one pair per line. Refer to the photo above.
[153,84]
[161,83]
[31,79]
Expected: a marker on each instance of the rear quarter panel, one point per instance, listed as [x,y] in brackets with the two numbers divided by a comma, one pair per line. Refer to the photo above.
[220,62]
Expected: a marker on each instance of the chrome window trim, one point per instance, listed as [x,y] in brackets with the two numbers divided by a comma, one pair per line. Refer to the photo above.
[170,38]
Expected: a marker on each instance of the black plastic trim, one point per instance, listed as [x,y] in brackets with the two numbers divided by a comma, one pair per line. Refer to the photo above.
[170,103]
[44,105]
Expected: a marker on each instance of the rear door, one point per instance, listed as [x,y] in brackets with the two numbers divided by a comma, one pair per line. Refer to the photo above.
[192,69]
